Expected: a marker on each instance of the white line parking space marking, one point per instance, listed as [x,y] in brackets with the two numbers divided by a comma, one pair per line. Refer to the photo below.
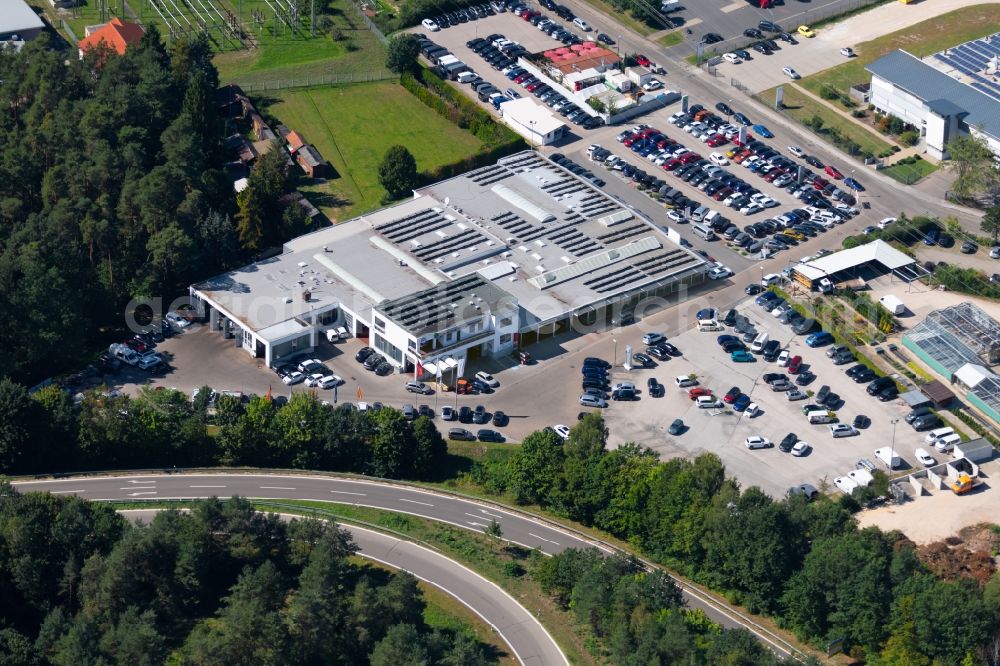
[276,488]
[344,492]
[206,486]
[414,502]
[543,539]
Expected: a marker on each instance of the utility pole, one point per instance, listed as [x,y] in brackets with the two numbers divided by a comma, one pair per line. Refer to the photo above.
[312,18]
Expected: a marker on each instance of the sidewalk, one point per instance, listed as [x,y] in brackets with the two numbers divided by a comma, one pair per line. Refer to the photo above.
[846,114]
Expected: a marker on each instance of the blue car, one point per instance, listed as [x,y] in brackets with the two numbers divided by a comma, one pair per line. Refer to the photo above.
[766,296]
[760,130]
[741,356]
[741,403]
[819,339]
[854,185]
[723,339]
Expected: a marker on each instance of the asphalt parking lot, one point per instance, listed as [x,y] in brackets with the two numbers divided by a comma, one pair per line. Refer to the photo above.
[723,431]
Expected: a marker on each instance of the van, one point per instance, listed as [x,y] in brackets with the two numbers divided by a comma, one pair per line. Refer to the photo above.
[707,402]
[934,435]
[703,230]
[888,456]
[821,416]
[758,343]
[699,213]
[711,216]
[948,442]
[769,279]
[709,325]
[466,77]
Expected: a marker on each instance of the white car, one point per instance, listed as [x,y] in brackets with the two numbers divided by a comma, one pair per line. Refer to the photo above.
[845,484]
[430,25]
[651,339]
[764,200]
[790,73]
[314,379]
[783,358]
[293,377]
[842,430]
[719,273]
[652,84]
[561,430]
[848,210]
[782,180]
[719,159]
[177,320]
[330,381]
[675,216]
[581,24]
[628,386]
[847,52]
[306,365]
[800,449]
[926,459]
[751,209]
[732,58]
[684,381]
[885,222]
[795,150]
[757,442]
[487,378]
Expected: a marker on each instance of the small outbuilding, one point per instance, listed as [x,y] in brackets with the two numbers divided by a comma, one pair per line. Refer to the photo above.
[975,450]
[311,162]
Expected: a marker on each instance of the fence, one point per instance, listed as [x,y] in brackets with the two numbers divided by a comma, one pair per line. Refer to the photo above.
[312,81]
[368,22]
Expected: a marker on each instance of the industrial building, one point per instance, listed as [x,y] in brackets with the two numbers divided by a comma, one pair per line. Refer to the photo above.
[532,121]
[19,22]
[478,265]
[962,343]
[939,99]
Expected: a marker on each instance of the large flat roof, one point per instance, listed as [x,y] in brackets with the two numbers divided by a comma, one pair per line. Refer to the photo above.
[931,85]
[446,305]
[877,251]
[17,15]
[534,229]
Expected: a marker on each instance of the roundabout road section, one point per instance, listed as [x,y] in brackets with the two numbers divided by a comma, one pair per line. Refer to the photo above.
[468,513]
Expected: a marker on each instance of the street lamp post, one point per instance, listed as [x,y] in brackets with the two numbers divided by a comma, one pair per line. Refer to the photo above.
[614,360]
[892,445]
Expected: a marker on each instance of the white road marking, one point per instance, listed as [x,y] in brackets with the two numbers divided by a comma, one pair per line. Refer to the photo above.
[344,492]
[414,502]
[143,482]
[206,486]
[276,488]
[491,515]
[543,539]
[65,492]
[476,524]
[137,494]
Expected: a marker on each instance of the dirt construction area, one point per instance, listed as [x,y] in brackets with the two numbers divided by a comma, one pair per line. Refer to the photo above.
[723,431]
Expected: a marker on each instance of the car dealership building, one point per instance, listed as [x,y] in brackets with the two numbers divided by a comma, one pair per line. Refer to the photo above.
[478,265]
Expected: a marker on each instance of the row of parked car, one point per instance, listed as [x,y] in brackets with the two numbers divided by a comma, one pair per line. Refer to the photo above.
[464,15]
[501,52]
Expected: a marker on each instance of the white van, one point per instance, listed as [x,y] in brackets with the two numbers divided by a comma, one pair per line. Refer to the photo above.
[703,230]
[758,343]
[948,442]
[709,325]
[769,279]
[934,435]
[888,456]
[711,216]
[821,416]
[699,213]
[707,402]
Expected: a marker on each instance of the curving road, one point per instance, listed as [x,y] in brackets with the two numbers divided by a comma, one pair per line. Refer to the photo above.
[524,634]
[470,514]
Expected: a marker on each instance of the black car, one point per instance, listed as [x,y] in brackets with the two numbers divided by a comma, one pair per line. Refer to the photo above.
[425,410]
[655,388]
[917,413]
[711,38]
[805,377]
[499,418]
[753,33]
[372,361]
[769,26]
[642,360]
[605,39]
[814,161]
[832,400]
[864,376]
[822,393]
[888,393]
[487,435]
[465,414]
[730,318]
[861,421]
[623,395]
[461,434]
[753,289]
[772,377]
[788,442]
[384,368]
[724,108]
[880,385]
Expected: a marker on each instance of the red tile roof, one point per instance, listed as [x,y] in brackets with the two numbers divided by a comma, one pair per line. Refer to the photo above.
[295,141]
[117,34]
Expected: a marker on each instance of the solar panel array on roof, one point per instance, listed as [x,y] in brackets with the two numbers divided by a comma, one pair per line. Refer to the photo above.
[460,241]
[570,239]
[444,305]
[489,175]
[411,226]
[623,233]
[974,59]
[520,230]
[523,162]
[595,205]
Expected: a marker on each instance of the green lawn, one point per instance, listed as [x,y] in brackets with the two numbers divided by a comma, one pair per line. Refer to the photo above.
[921,40]
[671,39]
[625,18]
[802,107]
[352,126]
[910,173]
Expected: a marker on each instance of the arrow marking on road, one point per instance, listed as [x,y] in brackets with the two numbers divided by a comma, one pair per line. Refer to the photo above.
[344,492]
[414,502]
[137,494]
[544,539]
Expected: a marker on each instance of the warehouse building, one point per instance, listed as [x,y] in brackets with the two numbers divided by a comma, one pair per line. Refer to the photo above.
[940,105]
[962,343]
[19,22]
[866,261]
[477,265]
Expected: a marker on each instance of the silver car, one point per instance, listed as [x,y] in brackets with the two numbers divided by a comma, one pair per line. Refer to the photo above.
[588,400]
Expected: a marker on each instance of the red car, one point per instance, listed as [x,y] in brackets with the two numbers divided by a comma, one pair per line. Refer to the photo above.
[643,60]
[671,164]
[795,365]
[820,183]
[532,86]
[772,174]
[833,173]
[732,394]
[717,140]
[136,345]
[722,194]
[690,157]
[699,391]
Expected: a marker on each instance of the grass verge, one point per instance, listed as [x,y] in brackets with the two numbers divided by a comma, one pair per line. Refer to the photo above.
[352,126]
[910,173]
[800,106]
[671,39]
[623,17]
[924,38]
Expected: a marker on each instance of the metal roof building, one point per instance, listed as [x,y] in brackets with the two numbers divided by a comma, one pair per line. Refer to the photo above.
[18,18]
[940,106]
[949,338]
[878,255]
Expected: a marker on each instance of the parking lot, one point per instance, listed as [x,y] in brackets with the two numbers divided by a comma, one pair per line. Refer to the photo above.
[723,431]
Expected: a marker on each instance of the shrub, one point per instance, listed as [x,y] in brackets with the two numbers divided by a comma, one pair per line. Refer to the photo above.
[909,137]
[828,93]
